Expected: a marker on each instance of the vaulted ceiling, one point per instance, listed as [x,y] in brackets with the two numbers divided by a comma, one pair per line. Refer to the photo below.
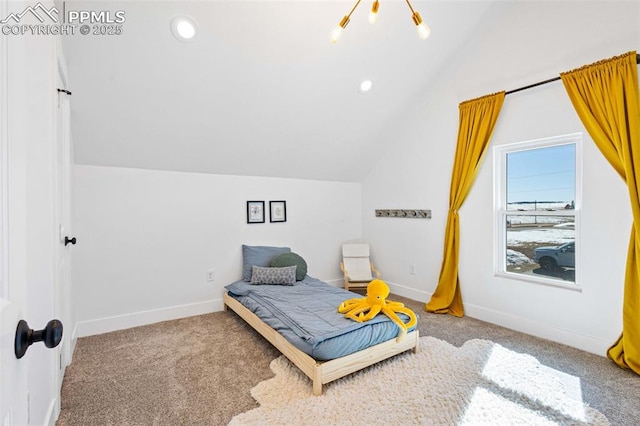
[260,91]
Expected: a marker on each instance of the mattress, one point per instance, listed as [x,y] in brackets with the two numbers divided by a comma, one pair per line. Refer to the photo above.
[306,315]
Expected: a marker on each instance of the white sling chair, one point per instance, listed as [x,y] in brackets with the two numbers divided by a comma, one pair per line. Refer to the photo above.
[357,267]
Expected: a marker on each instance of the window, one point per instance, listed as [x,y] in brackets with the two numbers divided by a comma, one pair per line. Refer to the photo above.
[537,212]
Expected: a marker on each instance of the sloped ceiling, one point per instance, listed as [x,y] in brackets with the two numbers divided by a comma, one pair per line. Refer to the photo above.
[260,91]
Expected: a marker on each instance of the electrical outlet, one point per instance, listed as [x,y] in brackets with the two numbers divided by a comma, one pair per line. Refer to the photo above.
[210,275]
[412,269]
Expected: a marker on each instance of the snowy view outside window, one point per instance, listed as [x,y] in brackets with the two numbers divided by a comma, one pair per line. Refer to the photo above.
[537,208]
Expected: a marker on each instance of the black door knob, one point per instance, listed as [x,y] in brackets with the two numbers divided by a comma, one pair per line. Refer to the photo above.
[51,335]
[68,241]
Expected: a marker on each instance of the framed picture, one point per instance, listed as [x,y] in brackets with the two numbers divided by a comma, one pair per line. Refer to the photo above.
[255,211]
[278,211]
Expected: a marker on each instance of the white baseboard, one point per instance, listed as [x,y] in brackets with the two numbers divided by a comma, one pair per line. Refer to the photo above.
[411,293]
[592,344]
[121,322]
[74,338]
[52,413]
[338,282]
[585,342]
[398,289]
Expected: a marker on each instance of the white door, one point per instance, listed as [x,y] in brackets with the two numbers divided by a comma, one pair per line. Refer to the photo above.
[62,207]
[30,259]
[13,279]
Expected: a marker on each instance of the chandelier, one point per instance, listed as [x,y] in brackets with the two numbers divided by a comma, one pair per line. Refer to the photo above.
[423,29]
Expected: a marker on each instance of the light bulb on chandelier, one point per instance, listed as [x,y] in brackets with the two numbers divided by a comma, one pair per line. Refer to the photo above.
[423,30]
[373,15]
[337,31]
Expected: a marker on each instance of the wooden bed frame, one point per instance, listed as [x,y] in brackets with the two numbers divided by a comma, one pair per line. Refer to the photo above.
[322,372]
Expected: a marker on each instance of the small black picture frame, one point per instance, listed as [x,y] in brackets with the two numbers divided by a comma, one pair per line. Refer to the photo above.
[277,211]
[255,211]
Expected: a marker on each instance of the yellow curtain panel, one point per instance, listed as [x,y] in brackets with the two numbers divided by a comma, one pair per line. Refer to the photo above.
[477,121]
[605,96]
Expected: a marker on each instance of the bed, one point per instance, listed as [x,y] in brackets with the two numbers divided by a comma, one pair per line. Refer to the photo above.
[302,322]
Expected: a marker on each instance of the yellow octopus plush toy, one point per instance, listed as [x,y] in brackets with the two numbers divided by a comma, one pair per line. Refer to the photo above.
[364,309]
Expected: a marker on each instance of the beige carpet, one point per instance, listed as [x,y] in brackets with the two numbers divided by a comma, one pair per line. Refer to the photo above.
[200,371]
[478,383]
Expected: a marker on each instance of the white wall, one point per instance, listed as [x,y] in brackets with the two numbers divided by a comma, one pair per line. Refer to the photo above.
[531,42]
[146,237]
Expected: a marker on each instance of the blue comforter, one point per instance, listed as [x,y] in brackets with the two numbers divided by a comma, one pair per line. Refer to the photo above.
[306,315]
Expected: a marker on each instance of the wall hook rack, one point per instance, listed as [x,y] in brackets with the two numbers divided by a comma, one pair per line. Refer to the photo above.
[415,214]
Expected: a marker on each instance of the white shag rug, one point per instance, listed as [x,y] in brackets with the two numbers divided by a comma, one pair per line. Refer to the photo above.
[480,383]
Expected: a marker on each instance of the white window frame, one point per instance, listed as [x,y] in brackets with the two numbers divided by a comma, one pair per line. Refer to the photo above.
[500,208]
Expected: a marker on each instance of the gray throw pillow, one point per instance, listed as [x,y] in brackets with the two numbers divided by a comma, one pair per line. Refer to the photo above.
[281,276]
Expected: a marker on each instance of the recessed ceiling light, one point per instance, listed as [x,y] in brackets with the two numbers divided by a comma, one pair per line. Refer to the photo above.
[183,28]
[365,85]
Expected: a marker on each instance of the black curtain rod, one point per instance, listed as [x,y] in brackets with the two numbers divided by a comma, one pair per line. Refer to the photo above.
[540,83]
